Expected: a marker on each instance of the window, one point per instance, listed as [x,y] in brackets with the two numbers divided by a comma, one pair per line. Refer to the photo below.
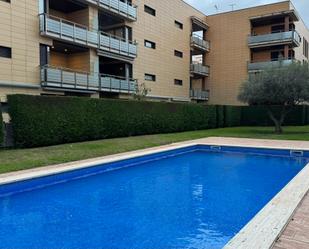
[178,82]
[43,54]
[150,77]
[276,55]
[178,24]
[178,53]
[150,44]
[5,52]
[277,28]
[150,10]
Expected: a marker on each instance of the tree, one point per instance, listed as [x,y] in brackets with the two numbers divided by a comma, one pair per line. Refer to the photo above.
[279,89]
[141,91]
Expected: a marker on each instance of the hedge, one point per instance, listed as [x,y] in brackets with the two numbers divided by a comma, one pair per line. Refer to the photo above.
[257,116]
[232,116]
[1,128]
[46,120]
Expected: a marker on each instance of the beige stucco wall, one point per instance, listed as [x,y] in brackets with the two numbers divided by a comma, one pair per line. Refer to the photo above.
[228,57]
[19,30]
[230,53]
[161,61]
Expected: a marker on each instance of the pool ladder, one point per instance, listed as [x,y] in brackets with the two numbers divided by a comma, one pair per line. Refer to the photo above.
[296,153]
[215,147]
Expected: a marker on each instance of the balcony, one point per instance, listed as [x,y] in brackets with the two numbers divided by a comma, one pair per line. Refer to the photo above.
[197,94]
[290,37]
[116,7]
[70,80]
[60,29]
[199,43]
[259,66]
[199,70]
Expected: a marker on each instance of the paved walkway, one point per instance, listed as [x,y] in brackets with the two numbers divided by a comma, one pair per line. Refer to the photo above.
[296,234]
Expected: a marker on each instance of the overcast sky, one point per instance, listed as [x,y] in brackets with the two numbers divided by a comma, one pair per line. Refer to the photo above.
[208,6]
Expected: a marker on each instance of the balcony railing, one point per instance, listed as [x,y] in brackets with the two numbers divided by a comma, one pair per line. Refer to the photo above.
[117,7]
[274,38]
[54,77]
[199,43]
[199,69]
[263,65]
[65,30]
[197,94]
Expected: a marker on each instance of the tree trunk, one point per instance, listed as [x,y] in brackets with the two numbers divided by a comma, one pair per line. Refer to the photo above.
[278,121]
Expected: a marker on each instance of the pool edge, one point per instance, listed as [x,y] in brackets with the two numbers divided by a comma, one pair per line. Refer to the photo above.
[260,232]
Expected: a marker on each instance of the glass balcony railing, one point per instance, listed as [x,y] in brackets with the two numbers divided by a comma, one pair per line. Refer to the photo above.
[199,43]
[275,38]
[263,65]
[117,7]
[199,69]
[54,77]
[198,94]
[64,30]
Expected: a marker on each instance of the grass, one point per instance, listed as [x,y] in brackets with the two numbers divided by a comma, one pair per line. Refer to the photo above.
[18,159]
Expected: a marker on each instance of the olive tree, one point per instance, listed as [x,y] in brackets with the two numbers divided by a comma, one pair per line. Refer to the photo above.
[282,87]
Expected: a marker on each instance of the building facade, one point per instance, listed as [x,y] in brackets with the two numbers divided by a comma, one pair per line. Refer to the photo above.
[109,48]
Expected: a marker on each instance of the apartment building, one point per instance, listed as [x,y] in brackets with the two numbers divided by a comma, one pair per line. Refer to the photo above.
[109,48]
[102,48]
[250,40]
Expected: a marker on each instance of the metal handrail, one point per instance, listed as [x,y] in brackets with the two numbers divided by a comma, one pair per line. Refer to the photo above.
[271,60]
[294,36]
[199,36]
[87,74]
[109,6]
[199,94]
[62,20]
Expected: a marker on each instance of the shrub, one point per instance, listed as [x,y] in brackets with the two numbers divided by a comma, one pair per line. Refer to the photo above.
[257,116]
[232,116]
[1,128]
[220,116]
[41,120]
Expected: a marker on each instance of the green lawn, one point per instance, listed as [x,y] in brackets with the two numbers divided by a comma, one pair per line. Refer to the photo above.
[12,160]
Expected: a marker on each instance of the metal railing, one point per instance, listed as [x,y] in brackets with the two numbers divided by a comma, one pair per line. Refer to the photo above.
[198,94]
[69,31]
[262,65]
[199,69]
[199,42]
[64,78]
[127,10]
[290,36]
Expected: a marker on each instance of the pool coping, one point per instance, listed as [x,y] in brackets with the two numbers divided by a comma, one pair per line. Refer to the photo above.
[261,232]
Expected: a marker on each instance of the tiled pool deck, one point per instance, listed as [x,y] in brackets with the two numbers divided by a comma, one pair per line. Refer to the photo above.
[264,228]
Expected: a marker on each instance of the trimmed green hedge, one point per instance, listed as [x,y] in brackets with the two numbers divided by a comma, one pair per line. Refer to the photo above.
[232,116]
[257,116]
[42,120]
[1,128]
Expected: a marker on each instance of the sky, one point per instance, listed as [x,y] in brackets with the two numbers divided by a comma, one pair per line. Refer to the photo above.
[208,6]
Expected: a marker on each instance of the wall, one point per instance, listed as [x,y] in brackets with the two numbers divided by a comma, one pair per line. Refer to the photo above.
[230,53]
[19,24]
[161,29]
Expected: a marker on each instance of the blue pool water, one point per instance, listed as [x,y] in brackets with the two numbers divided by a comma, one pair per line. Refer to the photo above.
[189,198]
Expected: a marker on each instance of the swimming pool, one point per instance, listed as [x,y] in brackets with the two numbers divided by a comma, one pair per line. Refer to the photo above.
[193,197]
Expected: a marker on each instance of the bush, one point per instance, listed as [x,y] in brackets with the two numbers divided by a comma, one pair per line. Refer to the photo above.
[232,116]
[41,120]
[1,128]
[258,116]
[220,116]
